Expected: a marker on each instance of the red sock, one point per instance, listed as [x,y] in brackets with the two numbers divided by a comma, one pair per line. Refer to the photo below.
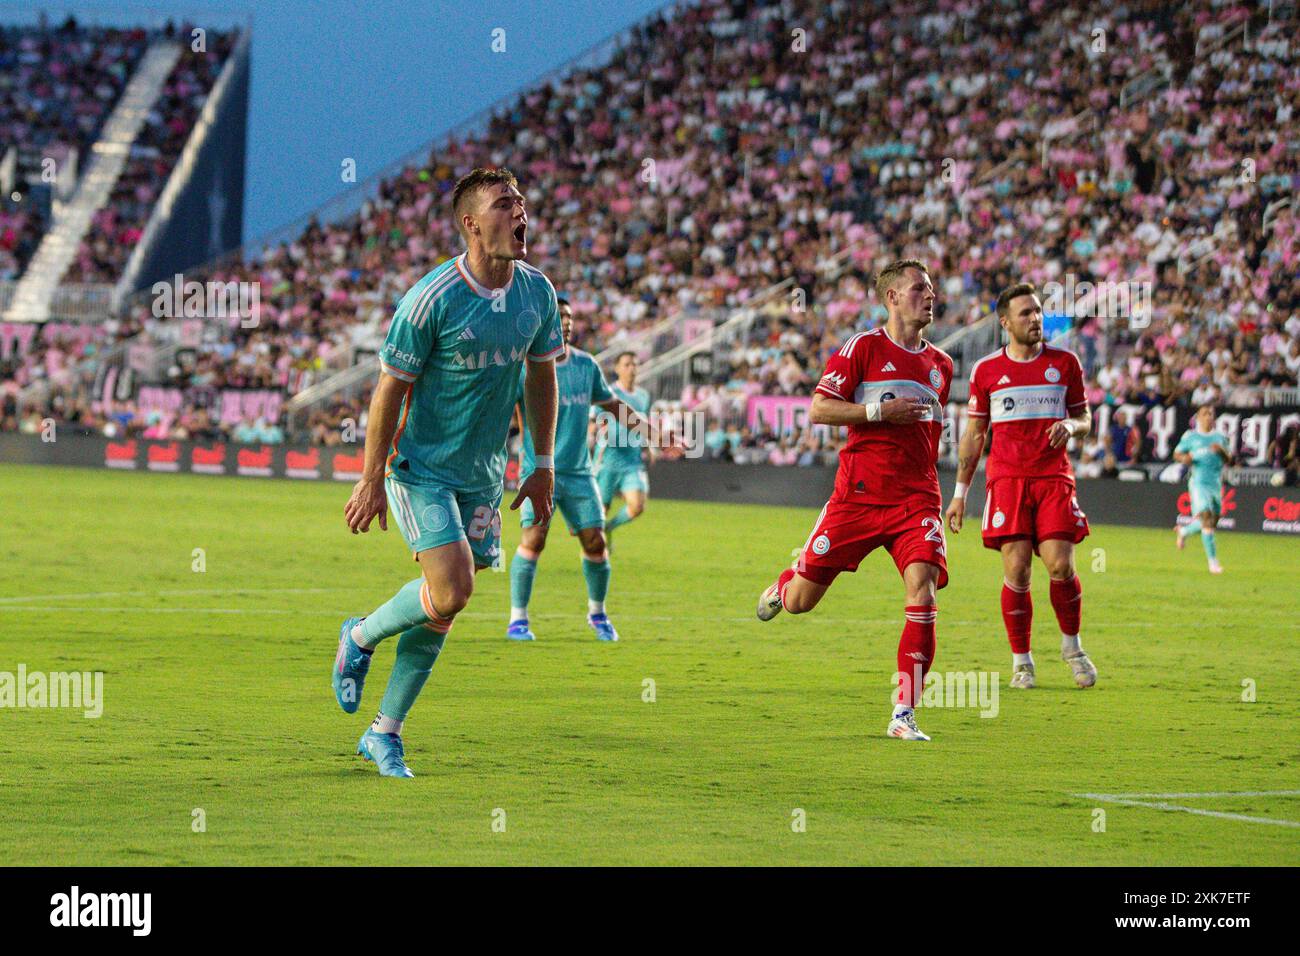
[915,651]
[1018,616]
[786,577]
[1067,602]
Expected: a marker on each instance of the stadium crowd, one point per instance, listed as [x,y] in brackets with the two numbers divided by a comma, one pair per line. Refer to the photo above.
[57,86]
[719,152]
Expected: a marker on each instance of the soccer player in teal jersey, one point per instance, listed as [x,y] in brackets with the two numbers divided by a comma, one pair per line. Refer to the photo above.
[620,469]
[1205,452]
[449,373]
[582,386]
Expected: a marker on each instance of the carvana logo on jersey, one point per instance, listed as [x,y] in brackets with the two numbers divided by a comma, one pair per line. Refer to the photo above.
[936,379]
[1052,374]
[434,518]
[527,323]
[821,545]
[1008,403]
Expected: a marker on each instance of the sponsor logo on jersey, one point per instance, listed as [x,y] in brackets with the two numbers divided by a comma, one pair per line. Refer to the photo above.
[434,518]
[1029,401]
[936,378]
[889,367]
[466,335]
[1052,374]
[821,544]
[1004,380]
[483,359]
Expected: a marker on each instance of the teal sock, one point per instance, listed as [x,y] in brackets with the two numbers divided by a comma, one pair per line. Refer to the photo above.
[417,650]
[1207,539]
[597,575]
[1190,528]
[522,572]
[400,613]
[619,519]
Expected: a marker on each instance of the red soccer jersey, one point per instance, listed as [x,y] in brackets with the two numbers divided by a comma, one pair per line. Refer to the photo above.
[1021,400]
[885,464]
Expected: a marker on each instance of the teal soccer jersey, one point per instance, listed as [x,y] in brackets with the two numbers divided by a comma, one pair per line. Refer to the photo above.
[461,349]
[581,385]
[1205,477]
[1207,466]
[621,449]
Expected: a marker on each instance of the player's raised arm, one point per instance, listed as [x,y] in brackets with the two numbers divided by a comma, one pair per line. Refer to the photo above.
[368,500]
[970,448]
[541,402]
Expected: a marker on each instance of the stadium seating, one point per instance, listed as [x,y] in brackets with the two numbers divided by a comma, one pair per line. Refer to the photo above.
[719,152]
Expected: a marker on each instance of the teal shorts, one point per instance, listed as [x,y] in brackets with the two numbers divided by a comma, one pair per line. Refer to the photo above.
[1206,499]
[430,516]
[577,498]
[615,479]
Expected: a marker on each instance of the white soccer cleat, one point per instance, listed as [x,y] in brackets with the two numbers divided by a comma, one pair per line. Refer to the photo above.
[769,603]
[1023,677]
[1085,674]
[904,727]
[1216,567]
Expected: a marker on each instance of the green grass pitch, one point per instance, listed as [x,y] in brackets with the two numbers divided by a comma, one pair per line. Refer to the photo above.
[216,698]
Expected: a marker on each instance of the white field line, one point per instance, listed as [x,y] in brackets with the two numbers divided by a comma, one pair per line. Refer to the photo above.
[1128,801]
[502,615]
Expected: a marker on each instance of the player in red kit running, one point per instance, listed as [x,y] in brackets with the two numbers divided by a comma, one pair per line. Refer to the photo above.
[1032,396]
[889,386]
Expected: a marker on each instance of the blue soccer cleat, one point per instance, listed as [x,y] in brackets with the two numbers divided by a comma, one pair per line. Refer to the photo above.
[386,752]
[600,624]
[350,666]
[520,631]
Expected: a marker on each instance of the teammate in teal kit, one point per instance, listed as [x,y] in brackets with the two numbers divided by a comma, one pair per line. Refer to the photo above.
[1205,453]
[620,469]
[449,377]
[581,386]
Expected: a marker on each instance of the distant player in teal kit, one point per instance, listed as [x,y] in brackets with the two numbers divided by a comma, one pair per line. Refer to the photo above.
[1205,452]
[581,386]
[449,377]
[620,469]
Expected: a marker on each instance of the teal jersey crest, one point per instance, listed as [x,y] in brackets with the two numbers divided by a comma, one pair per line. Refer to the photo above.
[461,348]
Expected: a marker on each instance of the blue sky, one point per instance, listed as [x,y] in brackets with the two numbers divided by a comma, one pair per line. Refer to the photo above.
[368,79]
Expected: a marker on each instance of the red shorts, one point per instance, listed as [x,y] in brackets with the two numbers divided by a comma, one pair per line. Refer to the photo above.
[846,532]
[1035,508]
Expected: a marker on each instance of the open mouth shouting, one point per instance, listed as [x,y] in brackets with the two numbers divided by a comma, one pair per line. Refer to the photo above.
[521,234]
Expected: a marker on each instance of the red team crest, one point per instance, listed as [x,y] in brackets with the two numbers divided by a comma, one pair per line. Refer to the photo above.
[886,488]
[1031,491]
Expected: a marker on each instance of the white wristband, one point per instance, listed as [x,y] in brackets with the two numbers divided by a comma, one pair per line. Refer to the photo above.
[544,461]
[873,411]
[960,490]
